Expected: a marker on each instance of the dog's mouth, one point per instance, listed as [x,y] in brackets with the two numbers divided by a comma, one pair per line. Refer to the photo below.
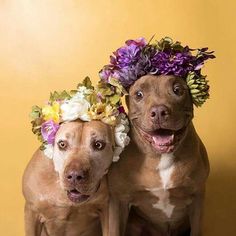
[164,140]
[75,196]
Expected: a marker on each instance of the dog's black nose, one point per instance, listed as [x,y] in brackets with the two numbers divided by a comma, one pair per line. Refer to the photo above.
[74,176]
[160,113]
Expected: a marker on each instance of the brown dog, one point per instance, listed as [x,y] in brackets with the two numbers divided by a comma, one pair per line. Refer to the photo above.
[70,201]
[163,171]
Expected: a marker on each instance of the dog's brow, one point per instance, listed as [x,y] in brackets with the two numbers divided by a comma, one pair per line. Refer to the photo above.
[97,135]
[144,86]
[93,133]
[69,135]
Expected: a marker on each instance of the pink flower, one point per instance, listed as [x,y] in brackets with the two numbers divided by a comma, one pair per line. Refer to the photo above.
[49,130]
[141,42]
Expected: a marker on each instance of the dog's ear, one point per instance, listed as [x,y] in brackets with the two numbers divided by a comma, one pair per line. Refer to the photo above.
[127,100]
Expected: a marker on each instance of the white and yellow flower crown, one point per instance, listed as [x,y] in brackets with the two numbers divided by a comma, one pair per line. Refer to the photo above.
[86,103]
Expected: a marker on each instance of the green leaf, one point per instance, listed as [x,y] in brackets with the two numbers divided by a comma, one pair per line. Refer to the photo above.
[42,147]
[64,95]
[36,112]
[119,88]
[54,96]
[177,46]
[86,82]
[73,92]
[92,98]
[167,43]
[114,99]
[104,89]
[149,41]
[164,43]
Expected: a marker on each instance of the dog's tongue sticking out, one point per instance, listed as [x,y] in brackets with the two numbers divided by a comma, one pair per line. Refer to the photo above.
[163,141]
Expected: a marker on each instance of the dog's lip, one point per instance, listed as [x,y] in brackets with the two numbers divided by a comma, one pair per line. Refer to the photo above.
[166,132]
[163,140]
[75,196]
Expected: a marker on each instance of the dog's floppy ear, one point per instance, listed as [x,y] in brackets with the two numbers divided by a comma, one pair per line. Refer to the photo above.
[127,100]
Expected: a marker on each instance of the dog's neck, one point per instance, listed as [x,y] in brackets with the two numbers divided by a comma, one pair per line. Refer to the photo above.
[147,150]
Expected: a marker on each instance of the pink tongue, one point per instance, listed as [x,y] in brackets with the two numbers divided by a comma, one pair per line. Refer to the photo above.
[161,140]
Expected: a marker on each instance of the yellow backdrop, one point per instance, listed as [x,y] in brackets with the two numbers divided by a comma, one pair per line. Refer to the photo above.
[53,44]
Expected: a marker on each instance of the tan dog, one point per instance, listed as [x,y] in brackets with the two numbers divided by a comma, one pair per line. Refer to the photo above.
[163,171]
[70,201]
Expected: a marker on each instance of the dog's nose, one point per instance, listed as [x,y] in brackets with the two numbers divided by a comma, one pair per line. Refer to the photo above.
[75,176]
[160,113]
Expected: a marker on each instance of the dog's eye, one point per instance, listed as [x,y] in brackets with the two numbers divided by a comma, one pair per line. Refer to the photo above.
[98,145]
[62,145]
[139,95]
[178,89]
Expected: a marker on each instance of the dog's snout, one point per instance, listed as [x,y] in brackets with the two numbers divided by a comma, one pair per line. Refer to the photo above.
[160,113]
[74,176]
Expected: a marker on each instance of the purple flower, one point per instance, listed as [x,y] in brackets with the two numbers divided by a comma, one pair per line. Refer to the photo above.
[49,130]
[178,64]
[140,42]
[202,56]
[105,73]
[121,109]
[137,58]
[128,54]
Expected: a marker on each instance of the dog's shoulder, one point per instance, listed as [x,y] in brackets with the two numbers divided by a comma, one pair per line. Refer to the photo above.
[204,157]
[192,165]
[38,176]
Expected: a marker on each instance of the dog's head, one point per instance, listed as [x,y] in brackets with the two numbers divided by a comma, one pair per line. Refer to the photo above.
[82,155]
[160,109]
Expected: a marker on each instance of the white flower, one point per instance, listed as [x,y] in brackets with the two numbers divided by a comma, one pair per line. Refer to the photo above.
[122,128]
[85,117]
[48,151]
[82,91]
[121,137]
[123,119]
[75,108]
[119,128]
[117,152]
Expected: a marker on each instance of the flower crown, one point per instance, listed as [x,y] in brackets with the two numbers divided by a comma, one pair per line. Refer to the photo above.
[86,103]
[165,57]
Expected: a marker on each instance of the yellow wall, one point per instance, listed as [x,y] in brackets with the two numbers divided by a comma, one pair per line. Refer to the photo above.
[47,45]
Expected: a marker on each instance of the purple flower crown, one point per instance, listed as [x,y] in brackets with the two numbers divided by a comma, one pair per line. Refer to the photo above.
[165,57]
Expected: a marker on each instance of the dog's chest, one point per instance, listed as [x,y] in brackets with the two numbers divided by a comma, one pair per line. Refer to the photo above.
[164,189]
[168,195]
[165,170]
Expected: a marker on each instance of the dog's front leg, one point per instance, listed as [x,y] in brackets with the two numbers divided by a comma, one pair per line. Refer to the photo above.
[104,218]
[195,214]
[118,217]
[33,226]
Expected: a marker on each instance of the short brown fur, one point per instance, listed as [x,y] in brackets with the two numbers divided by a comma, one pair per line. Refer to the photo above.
[131,178]
[48,211]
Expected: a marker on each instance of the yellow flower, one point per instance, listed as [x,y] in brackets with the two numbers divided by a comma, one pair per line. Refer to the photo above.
[51,112]
[97,111]
[110,120]
[104,112]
